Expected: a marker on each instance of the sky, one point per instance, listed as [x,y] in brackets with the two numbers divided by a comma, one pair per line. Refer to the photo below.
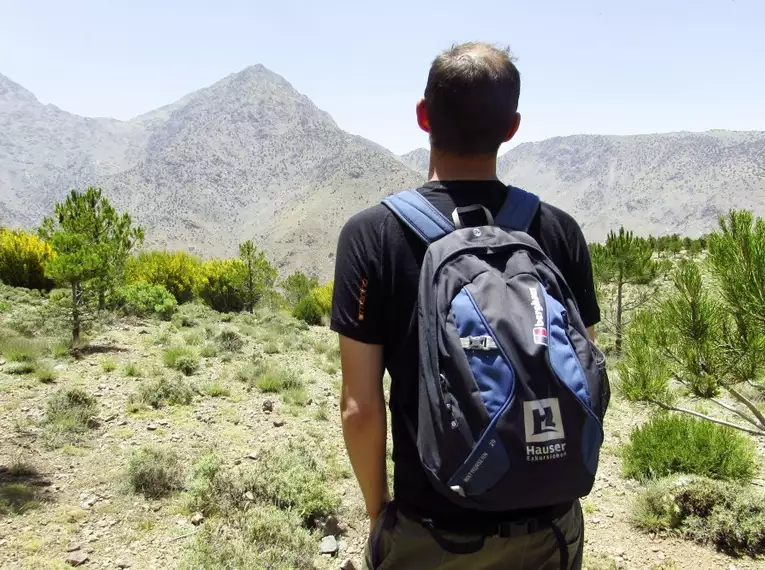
[587,66]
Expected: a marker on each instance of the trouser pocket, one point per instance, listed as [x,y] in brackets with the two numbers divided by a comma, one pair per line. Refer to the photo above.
[380,540]
[569,534]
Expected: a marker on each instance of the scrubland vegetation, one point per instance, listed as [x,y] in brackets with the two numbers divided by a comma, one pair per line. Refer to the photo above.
[163,410]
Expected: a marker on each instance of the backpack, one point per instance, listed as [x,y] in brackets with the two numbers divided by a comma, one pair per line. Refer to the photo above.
[512,393]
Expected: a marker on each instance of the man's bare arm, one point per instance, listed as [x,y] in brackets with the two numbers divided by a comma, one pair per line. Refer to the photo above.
[362,407]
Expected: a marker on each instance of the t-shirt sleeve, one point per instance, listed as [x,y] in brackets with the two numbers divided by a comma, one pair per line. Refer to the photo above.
[579,273]
[357,303]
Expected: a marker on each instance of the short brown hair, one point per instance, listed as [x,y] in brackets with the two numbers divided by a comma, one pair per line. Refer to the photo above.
[472,98]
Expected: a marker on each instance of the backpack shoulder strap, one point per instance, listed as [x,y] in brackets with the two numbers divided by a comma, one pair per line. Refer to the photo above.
[414,210]
[518,211]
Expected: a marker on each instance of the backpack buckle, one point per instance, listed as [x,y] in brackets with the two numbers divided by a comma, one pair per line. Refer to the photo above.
[484,342]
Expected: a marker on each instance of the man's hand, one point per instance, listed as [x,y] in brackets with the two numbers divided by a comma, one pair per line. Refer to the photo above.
[362,408]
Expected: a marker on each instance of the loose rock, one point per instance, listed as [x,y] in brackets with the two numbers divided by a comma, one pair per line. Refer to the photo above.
[333,527]
[268,406]
[329,545]
[122,563]
[279,423]
[197,519]
[348,565]
[74,546]
[152,427]
[77,558]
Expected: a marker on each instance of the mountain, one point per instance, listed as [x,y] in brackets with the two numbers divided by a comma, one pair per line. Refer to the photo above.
[248,157]
[662,183]
[659,183]
[418,160]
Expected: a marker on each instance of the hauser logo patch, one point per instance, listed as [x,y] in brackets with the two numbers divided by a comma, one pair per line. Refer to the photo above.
[540,329]
[543,424]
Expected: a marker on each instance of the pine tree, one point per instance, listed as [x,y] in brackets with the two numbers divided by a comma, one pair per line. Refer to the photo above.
[624,259]
[297,286]
[259,275]
[708,337]
[91,243]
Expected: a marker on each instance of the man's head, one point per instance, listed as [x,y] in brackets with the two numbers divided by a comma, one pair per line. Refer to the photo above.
[471,100]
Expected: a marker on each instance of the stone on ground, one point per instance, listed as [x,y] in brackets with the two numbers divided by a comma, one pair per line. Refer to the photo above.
[329,545]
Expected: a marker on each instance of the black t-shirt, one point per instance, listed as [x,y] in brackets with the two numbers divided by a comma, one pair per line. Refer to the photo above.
[375,301]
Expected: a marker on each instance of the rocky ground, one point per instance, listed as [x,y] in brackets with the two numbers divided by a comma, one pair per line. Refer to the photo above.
[87,514]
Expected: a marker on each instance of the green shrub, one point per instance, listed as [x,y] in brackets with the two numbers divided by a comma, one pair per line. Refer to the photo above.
[272,379]
[298,286]
[19,349]
[230,340]
[190,315]
[20,368]
[71,410]
[222,286]
[323,295]
[45,373]
[308,310]
[249,373]
[194,337]
[164,391]
[17,498]
[182,359]
[724,514]
[178,272]
[322,413]
[208,350]
[108,365]
[202,487]
[155,472]
[296,396]
[23,257]
[673,443]
[266,537]
[132,370]
[289,477]
[145,300]
[215,389]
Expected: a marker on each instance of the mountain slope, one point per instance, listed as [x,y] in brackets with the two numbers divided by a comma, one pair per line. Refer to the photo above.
[248,157]
[418,160]
[662,183]
[677,182]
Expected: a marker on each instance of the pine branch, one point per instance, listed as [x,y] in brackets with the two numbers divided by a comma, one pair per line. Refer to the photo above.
[749,404]
[737,412]
[759,432]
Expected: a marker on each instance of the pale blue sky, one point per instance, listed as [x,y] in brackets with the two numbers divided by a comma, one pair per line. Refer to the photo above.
[588,66]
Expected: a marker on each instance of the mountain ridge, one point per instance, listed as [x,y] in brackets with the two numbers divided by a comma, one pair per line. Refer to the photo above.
[250,157]
[241,158]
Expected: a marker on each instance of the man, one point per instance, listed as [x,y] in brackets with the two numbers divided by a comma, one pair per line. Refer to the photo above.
[469,110]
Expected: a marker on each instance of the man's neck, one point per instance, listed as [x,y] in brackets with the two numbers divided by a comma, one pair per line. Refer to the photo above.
[445,166]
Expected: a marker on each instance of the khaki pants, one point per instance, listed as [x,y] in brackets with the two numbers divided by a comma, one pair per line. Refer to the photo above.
[400,543]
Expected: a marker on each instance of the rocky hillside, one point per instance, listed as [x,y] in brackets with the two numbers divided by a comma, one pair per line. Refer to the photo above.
[248,157]
[418,160]
[663,183]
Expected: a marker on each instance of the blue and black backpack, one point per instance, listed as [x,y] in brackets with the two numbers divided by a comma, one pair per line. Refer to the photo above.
[512,393]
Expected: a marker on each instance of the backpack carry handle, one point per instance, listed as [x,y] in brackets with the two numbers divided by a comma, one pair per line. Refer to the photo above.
[466,209]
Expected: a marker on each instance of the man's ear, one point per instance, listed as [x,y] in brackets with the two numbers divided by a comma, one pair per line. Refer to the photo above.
[514,127]
[422,116]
